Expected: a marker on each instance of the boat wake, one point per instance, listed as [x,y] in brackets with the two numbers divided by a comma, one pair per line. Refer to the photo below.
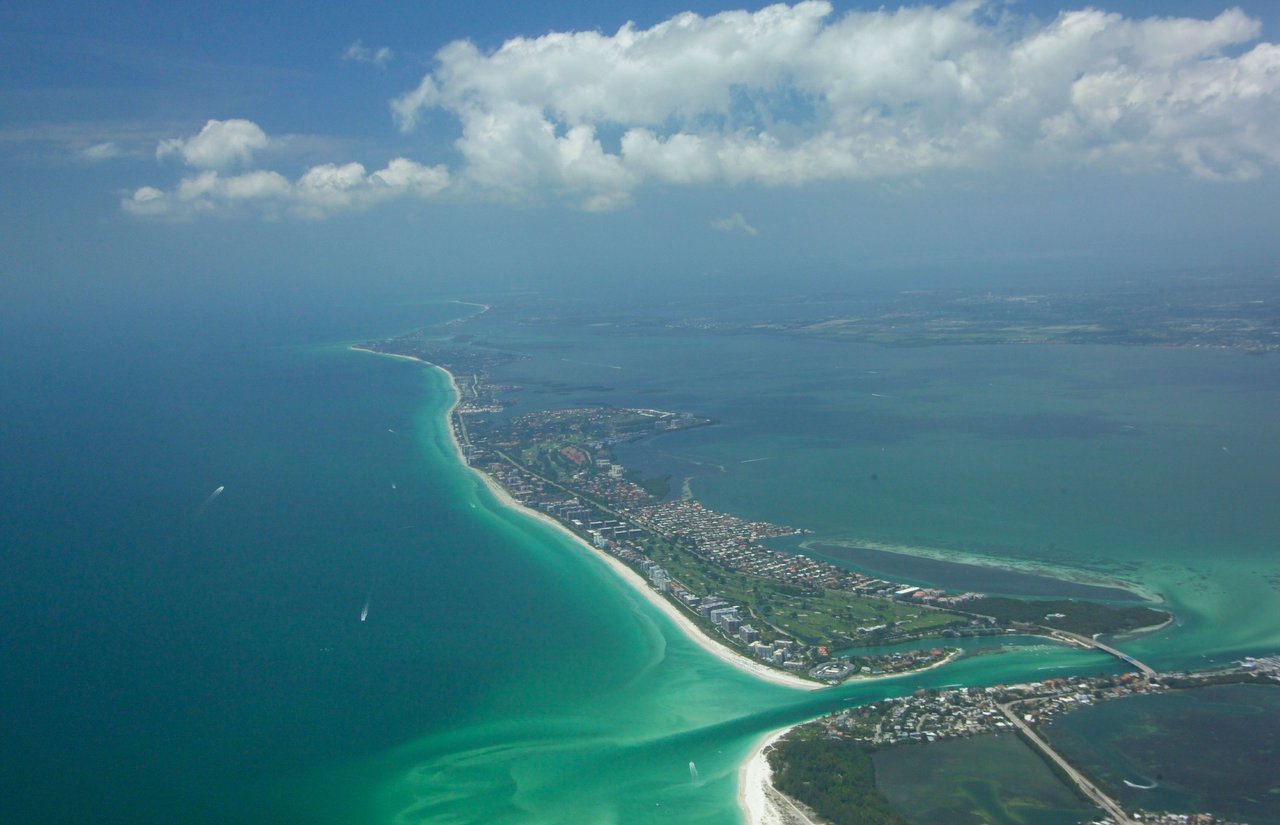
[204,505]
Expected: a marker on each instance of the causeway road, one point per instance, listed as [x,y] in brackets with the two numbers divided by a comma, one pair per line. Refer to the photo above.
[1086,787]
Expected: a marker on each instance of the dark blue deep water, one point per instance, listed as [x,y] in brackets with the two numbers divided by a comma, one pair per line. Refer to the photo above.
[164,661]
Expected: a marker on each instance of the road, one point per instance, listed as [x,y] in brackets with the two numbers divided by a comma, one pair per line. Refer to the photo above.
[1086,787]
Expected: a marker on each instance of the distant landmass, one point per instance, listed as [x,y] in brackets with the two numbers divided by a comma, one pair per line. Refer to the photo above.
[1187,312]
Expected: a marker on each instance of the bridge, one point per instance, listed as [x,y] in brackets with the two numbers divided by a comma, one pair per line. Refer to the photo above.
[1086,641]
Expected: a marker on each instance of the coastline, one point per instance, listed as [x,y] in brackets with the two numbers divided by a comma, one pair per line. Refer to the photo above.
[761,803]
[629,577]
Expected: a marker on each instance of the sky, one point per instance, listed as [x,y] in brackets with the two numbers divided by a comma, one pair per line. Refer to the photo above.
[154,152]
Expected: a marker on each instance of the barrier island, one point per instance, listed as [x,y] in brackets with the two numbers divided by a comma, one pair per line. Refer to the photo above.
[807,617]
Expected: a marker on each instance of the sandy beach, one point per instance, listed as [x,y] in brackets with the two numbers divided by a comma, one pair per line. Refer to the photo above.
[1137,632]
[629,576]
[760,801]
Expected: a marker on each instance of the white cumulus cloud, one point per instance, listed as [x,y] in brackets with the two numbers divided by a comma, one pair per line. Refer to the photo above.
[220,144]
[323,190]
[794,94]
[787,96]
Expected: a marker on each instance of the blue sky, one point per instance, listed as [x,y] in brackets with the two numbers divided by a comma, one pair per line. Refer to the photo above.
[166,149]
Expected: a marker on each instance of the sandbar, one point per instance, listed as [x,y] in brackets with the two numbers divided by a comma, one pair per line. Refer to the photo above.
[1029,567]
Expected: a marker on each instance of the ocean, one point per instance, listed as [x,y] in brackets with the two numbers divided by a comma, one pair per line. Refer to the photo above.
[171,655]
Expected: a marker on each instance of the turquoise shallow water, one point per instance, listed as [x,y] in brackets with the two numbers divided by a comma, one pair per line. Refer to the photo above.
[214,669]
[615,747]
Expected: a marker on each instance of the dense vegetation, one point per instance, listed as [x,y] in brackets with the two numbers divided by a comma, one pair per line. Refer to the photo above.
[1196,680]
[1085,618]
[658,486]
[835,777]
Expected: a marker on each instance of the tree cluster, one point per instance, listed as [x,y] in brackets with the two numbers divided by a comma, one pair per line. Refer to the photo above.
[834,777]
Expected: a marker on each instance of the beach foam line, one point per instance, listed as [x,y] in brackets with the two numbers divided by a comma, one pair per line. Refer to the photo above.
[623,572]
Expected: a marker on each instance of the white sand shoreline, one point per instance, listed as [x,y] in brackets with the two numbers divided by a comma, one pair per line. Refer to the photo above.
[629,576]
[757,797]
[1138,632]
